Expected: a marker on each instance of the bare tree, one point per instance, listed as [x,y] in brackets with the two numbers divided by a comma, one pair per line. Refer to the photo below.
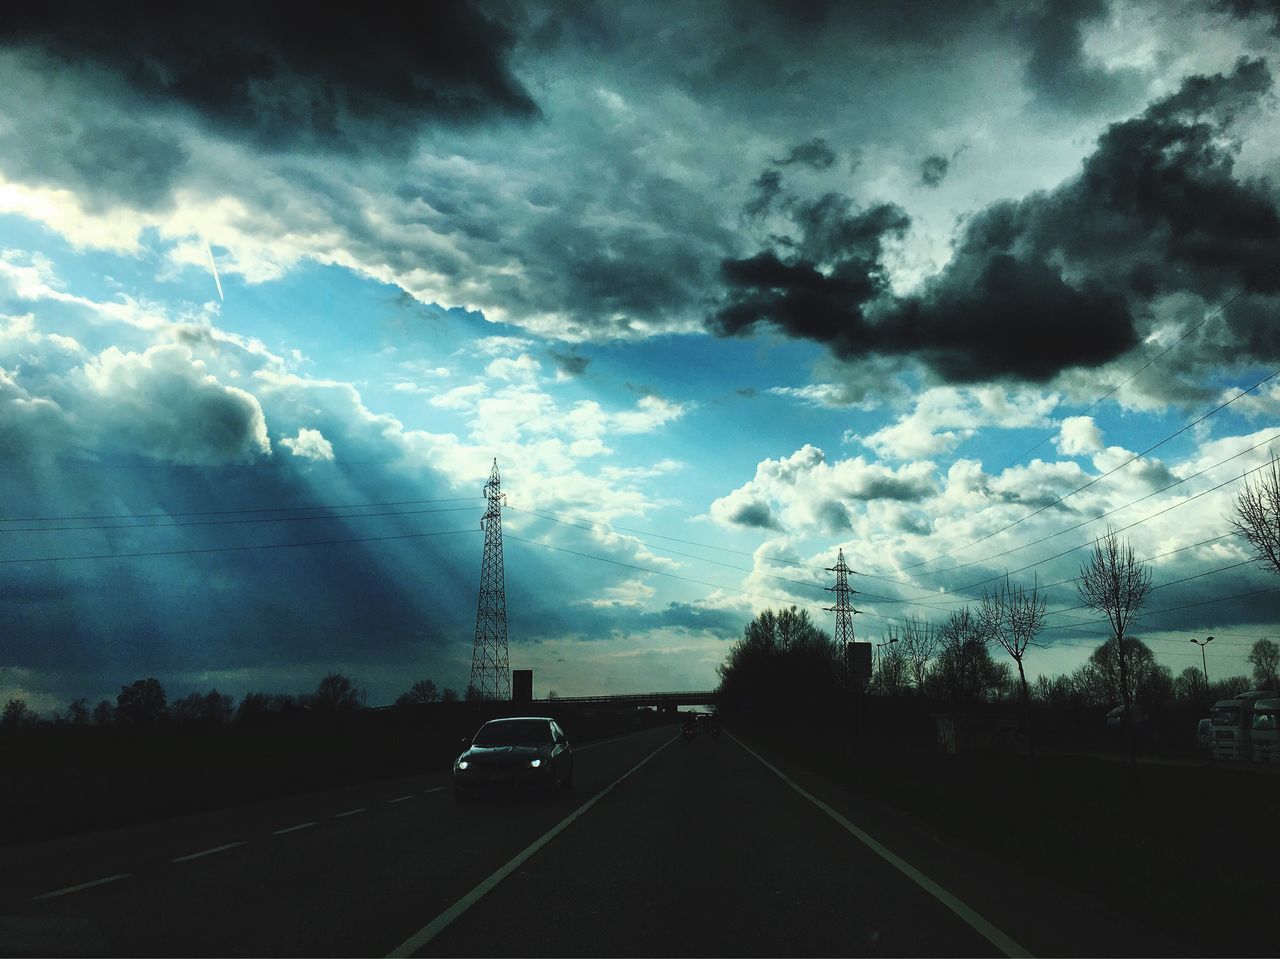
[1116,584]
[1257,515]
[919,641]
[1265,660]
[1013,616]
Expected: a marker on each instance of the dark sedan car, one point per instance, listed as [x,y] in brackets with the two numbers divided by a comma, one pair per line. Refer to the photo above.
[519,754]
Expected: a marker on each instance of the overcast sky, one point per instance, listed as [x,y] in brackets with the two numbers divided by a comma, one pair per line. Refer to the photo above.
[723,287]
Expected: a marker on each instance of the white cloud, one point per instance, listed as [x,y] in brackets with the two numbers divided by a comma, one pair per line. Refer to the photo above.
[309,444]
[1079,435]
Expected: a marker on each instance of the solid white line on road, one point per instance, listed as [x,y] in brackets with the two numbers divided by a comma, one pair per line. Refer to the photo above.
[400,798]
[980,925]
[303,825]
[84,885]
[207,852]
[442,921]
[349,812]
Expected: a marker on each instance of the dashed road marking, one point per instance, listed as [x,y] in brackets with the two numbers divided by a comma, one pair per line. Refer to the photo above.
[207,852]
[84,885]
[400,798]
[436,789]
[442,921]
[302,825]
[349,812]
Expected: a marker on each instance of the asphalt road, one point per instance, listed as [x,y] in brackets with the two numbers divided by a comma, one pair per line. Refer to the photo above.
[703,849]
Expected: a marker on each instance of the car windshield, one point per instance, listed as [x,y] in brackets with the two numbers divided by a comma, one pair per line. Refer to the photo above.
[521,732]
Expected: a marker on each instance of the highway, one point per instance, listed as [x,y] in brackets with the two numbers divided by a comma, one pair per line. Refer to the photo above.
[663,848]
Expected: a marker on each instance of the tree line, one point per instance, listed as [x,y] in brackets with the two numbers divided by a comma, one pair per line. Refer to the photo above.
[144,703]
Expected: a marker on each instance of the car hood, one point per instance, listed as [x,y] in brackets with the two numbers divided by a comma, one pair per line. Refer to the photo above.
[504,755]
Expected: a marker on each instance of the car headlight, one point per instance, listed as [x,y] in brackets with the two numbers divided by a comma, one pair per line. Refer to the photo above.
[462,764]
[535,763]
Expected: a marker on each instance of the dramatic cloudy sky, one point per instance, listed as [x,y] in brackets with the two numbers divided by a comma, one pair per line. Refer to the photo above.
[724,287]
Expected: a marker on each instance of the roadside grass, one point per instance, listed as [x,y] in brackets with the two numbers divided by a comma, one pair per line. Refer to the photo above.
[1188,849]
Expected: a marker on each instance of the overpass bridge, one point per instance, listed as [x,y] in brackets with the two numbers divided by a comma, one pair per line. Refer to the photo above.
[667,700]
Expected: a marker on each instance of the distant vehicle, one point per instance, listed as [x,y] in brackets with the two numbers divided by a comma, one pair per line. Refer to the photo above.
[1115,718]
[1233,724]
[1264,731]
[514,755]
[1204,734]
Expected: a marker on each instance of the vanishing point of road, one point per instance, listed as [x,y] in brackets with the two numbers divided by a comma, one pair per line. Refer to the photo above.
[664,848]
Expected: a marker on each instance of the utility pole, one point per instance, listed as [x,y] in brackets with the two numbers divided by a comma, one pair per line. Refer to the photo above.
[490,666]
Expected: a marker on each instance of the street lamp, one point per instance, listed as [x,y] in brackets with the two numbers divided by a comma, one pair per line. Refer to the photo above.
[887,642]
[1203,661]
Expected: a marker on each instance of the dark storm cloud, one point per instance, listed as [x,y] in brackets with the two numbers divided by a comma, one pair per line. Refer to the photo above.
[573,364]
[815,154]
[898,488]
[764,190]
[837,268]
[1247,9]
[1048,282]
[933,169]
[756,515]
[282,74]
[1058,69]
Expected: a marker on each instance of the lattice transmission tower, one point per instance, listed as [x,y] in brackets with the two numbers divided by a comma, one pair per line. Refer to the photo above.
[490,667]
[843,608]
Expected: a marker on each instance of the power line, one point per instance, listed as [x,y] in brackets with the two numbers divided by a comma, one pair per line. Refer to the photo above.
[1111,392]
[234,522]
[1095,480]
[229,512]
[1117,509]
[234,549]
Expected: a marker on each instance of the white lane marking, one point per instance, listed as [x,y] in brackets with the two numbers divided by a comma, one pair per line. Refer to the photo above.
[980,925]
[84,885]
[303,825]
[400,798]
[207,852]
[437,789]
[349,812]
[442,921]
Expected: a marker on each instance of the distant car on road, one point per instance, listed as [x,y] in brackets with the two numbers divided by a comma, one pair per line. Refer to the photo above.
[511,755]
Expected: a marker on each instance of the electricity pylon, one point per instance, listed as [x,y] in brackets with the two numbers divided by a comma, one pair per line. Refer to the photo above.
[490,667]
[843,609]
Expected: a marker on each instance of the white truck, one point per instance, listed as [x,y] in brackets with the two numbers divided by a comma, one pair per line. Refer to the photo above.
[1233,724]
[1264,731]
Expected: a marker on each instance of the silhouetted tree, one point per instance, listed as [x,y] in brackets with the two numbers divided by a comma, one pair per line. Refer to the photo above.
[919,641]
[141,703]
[1013,616]
[1257,515]
[337,694]
[1189,686]
[104,713]
[449,695]
[17,713]
[1115,584]
[1227,687]
[473,694]
[419,694]
[210,708]
[783,661]
[1264,658]
[78,712]
[963,670]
